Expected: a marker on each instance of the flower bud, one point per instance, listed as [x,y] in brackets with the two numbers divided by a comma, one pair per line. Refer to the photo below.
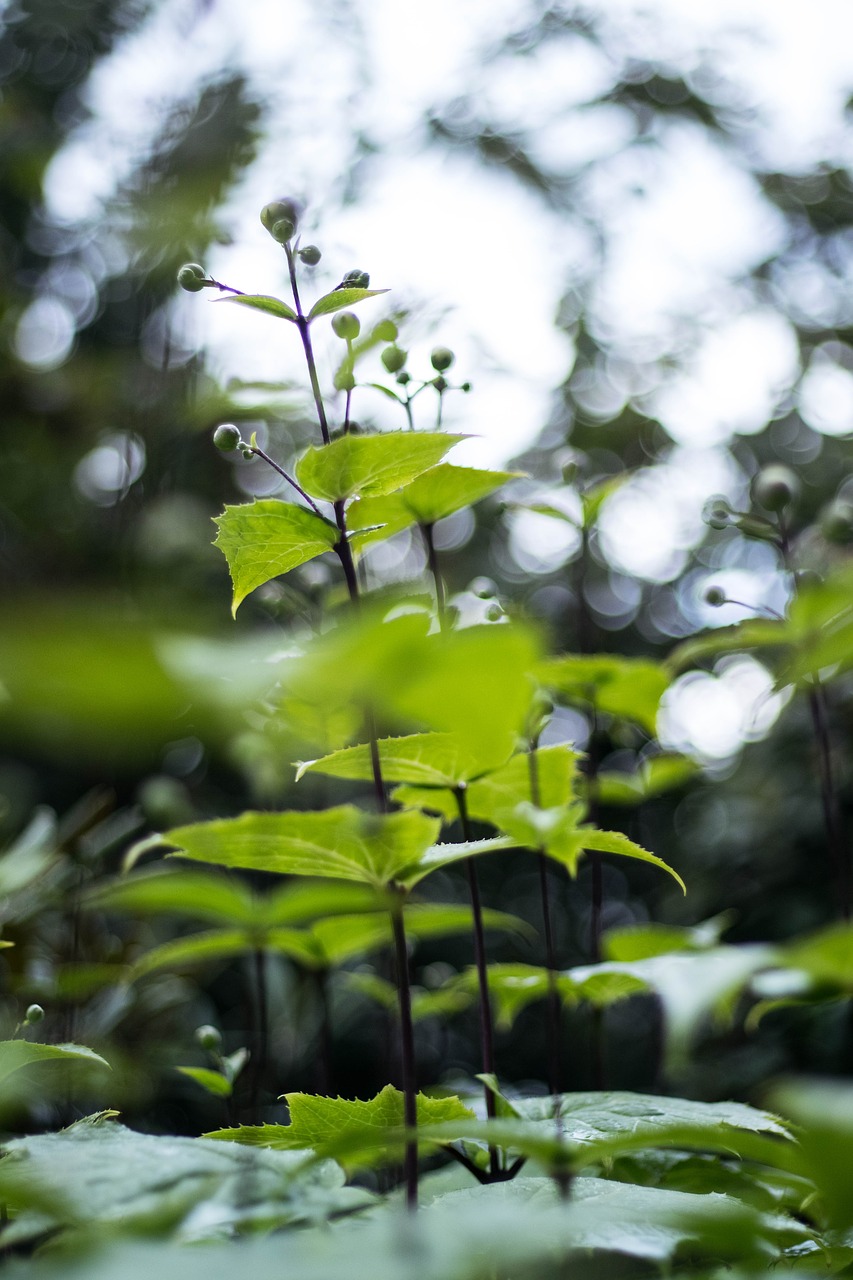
[440,384]
[248,452]
[483,587]
[346,324]
[386,331]
[310,255]
[355,279]
[441,359]
[208,1038]
[394,358]
[227,437]
[192,277]
[466,387]
[34,1014]
[281,218]
[715,596]
[775,487]
[403,378]
[718,513]
[836,522]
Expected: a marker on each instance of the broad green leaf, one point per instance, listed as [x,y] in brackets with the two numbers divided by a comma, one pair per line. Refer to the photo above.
[261,540]
[627,688]
[305,901]
[755,633]
[448,855]
[169,890]
[656,776]
[370,466]
[17,1054]
[29,856]
[352,1128]
[101,1174]
[826,956]
[515,986]
[489,797]
[343,937]
[211,1081]
[222,945]
[823,1112]
[639,941]
[338,299]
[425,759]
[432,496]
[260,302]
[342,843]
[425,1004]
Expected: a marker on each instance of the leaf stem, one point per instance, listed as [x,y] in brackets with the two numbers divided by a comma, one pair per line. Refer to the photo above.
[260,1031]
[305,334]
[432,560]
[271,462]
[554,1019]
[407,1048]
[486,1031]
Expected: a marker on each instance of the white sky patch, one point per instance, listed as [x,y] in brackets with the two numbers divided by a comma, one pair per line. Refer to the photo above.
[735,382]
[712,716]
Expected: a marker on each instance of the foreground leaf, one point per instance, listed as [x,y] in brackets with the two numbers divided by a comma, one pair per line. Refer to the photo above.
[370,465]
[260,302]
[340,298]
[17,1054]
[261,540]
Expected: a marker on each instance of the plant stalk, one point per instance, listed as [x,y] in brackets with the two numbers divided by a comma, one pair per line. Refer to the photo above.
[305,334]
[432,560]
[407,1048]
[554,1019]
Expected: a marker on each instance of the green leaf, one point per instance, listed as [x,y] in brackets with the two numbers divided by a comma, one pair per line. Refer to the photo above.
[448,855]
[30,855]
[826,956]
[593,498]
[656,776]
[628,688]
[755,633]
[490,797]
[338,299]
[99,1174]
[17,1054]
[425,759]
[169,890]
[823,1111]
[360,1132]
[220,945]
[260,302]
[261,540]
[370,465]
[515,986]
[432,496]
[211,1081]
[342,843]
[618,843]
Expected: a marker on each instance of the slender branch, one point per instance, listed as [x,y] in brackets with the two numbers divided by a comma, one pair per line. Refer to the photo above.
[554,1019]
[407,1046]
[271,462]
[305,334]
[226,288]
[432,560]
[486,1033]
[260,1031]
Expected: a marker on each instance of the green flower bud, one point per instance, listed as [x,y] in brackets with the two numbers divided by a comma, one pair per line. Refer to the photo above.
[394,358]
[355,279]
[34,1014]
[192,277]
[483,587]
[718,513]
[281,218]
[715,596]
[403,378]
[208,1038]
[227,437]
[247,452]
[441,358]
[836,522]
[310,255]
[386,331]
[775,487]
[440,384]
[346,324]
[466,387]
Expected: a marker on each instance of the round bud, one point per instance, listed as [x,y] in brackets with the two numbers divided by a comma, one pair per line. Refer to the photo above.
[34,1014]
[386,331]
[440,384]
[346,324]
[310,255]
[718,513]
[192,276]
[775,487]
[836,522]
[441,358]
[466,387]
[403,378]
[227,437]
[494,612]
[208,1038]
[483,587]
[394,358]
[355,279]
[715,596]
[281,218]
[248,452]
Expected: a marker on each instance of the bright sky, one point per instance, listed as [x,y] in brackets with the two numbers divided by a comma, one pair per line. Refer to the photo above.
[482,263]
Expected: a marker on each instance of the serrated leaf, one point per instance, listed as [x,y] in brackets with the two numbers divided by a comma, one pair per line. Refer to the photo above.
[618,843]
[261,540]
[628,688]
[260,302]
[370,466]
[425,759]
[342,843]
[489,797]
[338,299]
[211,1081]
[17,1054]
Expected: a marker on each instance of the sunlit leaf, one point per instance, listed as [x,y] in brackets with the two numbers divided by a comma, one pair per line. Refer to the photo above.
[490,797]
[340,298]
[17,1054]
[211,1081]
[425,759]
[618,843]
[261,540]
[628,688]
[260,302]
[370,465]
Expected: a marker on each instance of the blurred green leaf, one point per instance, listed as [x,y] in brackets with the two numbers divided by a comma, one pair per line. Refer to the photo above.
[17,1054]
[628,688]
[425,759]
[656,776]
[211,1081]
[369,466]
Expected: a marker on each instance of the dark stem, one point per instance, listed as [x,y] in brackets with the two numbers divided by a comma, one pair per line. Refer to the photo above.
[407,1049]
[260,1031]
[554,1011]
[487,1049]
[226,288]
[288,478]
[305,334]
[432,560]
[324,1059]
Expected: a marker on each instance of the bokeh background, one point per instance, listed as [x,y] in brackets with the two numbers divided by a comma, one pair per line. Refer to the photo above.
[633,223]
